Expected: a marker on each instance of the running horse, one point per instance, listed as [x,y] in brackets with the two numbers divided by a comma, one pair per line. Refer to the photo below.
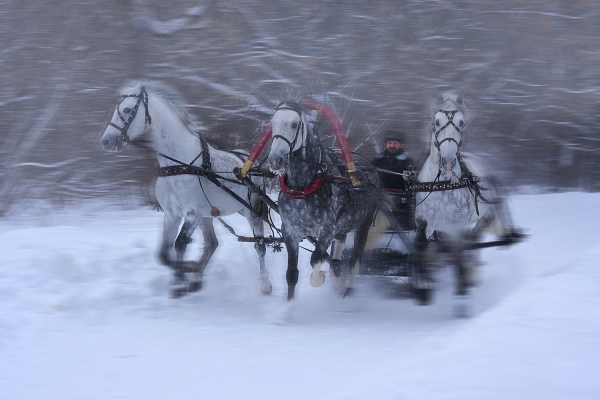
[318,200]
[457,200]
[195,182]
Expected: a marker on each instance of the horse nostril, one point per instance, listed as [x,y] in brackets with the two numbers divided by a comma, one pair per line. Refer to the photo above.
[104,142]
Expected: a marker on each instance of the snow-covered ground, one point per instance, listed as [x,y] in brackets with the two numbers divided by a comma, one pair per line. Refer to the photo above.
[85,314]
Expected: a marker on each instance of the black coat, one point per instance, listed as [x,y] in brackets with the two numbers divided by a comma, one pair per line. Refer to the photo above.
[398,162]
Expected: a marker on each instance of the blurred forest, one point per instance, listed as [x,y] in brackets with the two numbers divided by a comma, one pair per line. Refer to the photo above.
[529,71]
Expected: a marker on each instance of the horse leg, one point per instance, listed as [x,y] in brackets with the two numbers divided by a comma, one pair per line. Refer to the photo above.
[258,230]
[291,276]
[181,286]
[317,277]
[170,227]
[210,244]
[422,284]
[468,262]
[335,265]
[360,241]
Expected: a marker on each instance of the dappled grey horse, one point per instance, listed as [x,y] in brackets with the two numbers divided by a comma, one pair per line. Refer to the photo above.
[317,199]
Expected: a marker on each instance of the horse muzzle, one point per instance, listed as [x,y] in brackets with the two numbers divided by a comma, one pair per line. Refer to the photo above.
[277,160]
[276,165]
[112,144]
[448,165]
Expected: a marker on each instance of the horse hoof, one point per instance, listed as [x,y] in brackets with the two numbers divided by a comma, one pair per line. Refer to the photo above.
[266,288]
[348,293]
[317,280]
[178,292]
[463,307]
[195,286]
[423,296]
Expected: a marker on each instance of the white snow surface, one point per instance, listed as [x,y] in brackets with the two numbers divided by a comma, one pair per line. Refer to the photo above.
[85,314]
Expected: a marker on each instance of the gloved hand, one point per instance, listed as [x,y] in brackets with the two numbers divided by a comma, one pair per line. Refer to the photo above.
[409,175]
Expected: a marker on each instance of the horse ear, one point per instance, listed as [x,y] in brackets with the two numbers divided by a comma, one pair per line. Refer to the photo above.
[137,88]
[439,98]
[460,100]
[307,118]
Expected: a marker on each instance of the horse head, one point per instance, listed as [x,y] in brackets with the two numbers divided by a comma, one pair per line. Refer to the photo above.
[449,121]
[124,126]
[290,124]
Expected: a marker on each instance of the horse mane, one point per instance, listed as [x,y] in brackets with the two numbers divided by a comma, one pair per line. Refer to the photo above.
[292,105]
[172,98]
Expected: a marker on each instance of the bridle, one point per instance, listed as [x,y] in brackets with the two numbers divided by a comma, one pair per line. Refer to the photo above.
[142,97]
[299,129]
[450,117]
[300,132]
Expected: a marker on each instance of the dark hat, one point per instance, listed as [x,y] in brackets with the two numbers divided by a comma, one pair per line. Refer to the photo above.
[391,134]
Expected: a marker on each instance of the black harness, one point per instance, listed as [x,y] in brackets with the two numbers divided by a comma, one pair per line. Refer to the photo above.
[189,169]
[450,116]
[142,97]
[286,105]
[468,180]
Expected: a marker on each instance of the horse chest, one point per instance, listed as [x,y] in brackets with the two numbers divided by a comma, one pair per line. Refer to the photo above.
[451,206]
[339,213]
[306,215]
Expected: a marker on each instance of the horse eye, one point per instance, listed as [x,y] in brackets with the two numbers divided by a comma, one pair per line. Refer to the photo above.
[294,125]
[461,123]
[437,122]
[127,110]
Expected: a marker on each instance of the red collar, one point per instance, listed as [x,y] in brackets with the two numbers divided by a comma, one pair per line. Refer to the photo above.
[300,194]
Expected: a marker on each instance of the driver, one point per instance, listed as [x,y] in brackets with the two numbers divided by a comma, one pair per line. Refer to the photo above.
[395,158]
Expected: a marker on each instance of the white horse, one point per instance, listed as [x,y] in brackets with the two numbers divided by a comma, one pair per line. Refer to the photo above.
[457,200]
[194,198]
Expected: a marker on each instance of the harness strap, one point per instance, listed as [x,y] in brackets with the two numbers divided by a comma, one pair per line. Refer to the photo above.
[173,170]
[300,194]
[188,169]
[205,153]
[440,186]
[468,180]
[392,190]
